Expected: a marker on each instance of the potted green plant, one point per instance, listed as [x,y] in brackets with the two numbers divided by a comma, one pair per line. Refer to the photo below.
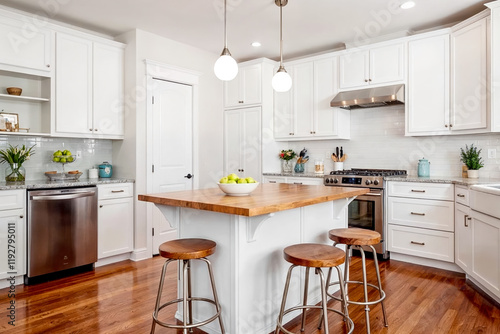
[15,157]
[472,159]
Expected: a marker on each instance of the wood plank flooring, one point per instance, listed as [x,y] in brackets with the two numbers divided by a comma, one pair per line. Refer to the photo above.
[119,298]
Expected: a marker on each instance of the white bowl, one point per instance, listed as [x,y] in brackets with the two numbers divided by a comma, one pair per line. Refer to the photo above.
[238,189]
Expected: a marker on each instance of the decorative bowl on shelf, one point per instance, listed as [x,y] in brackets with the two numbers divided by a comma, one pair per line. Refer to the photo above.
[14,91]
[238,189]
[69,176]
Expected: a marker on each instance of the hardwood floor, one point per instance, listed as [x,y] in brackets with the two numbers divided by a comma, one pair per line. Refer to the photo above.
[119,298]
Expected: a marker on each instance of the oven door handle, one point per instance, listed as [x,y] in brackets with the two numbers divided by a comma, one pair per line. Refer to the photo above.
[371,194]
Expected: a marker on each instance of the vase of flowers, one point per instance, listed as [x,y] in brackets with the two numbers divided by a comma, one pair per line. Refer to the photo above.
[472,159]
[286,157]
[14,157]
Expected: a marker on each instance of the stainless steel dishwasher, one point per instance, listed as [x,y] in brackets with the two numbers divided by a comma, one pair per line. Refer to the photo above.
[62,229]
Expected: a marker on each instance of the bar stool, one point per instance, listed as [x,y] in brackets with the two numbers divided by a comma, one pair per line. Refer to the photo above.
[357,238]
[187,250]
[315,256]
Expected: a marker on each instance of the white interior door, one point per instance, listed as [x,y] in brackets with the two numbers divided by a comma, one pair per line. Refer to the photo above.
[172,148]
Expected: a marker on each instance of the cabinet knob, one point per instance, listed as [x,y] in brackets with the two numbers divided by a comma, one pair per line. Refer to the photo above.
[21,216]
[366,80]
[451,125]
[100,206]
[370,80]
[95,129]
[241,102]
[90,129]
[48,65]
[446,125]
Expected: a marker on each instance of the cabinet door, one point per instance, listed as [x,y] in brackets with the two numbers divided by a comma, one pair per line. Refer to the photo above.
[231,92]
[108,90]
[232,142]
[245,89]
[24,47]
[73,85]
[273,179]
[283,118]
[486,251]
[428,85]
[386,64]
[353,69]
[115,227]
[469,77]
[251,144]
[305,180]
[12,243]
[302,97]
[463,237]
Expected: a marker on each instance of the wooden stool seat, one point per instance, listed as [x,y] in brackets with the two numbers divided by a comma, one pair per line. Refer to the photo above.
[354,236]
[314,255]
[187,249]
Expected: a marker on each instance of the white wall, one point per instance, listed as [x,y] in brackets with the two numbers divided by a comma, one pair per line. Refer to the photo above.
[378,141]
[143,45]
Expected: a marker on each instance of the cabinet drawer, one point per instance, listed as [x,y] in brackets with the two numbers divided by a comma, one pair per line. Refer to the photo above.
[440,191]
[462,195]
[12,199]
[431,244]
[305,180]
[118,190]
[437,215]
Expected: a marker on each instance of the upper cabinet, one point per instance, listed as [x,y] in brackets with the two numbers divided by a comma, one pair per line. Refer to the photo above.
[377,65]
[89,88]
[304,111]
[246,88]
[24,47]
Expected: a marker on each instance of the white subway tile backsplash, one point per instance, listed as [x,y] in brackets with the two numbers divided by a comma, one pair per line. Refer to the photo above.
[94,152]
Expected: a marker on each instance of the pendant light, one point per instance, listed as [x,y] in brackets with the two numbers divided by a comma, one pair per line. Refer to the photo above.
[225,67]
[282,81]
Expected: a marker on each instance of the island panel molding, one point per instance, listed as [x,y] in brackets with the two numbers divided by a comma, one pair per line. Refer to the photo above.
[267,198]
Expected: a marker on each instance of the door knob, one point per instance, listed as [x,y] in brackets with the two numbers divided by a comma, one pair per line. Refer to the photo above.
[188,176]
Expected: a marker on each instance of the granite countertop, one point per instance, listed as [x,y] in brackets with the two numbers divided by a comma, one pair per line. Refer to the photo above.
[443,179]
[267,198]
[295,174]
[44,184]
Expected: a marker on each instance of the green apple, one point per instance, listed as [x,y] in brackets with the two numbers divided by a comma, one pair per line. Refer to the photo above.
[232,176]
[67,153]
[223,180]
[231,181]
[250,180]
[242,181]
[69,159]
[58,153]
[56,159]
[63,160]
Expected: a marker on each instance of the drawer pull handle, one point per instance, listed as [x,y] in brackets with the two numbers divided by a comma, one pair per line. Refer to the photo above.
[272,181]
[418,243]
[460,195]
[417,191]
[466,219]
[417,213]
[297,183]
[117,191]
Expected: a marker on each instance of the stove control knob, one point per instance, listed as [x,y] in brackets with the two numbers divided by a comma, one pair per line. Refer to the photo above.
[375,182]
[368,182]
[335,181]
[327,181]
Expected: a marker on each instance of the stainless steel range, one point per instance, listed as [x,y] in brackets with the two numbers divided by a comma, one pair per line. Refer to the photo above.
[366,211]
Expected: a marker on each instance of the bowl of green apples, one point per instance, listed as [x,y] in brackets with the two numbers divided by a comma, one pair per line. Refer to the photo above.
[232,185]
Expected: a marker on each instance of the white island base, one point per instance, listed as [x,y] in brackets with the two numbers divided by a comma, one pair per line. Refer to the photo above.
[248,264]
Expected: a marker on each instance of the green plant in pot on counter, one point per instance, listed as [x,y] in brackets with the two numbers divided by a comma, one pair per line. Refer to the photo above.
[472,159]
[15,157]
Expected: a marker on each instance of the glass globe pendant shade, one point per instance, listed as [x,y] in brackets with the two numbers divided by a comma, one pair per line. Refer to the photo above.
[225,67]
[282,81]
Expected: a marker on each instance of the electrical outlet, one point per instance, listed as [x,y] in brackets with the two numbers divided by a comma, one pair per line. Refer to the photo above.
[492,153]
[78,154]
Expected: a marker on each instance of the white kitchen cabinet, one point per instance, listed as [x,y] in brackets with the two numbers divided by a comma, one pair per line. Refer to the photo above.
[12,234]
[463,237]
[304,112]
[314,181]
[428,85]
[245,89]
[377,65]
[115,219]
[89,88]
[469,88]
[242,142]
[24,46]
[420,219]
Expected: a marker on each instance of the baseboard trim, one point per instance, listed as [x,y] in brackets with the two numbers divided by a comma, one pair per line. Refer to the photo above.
[426,262]
[140,254]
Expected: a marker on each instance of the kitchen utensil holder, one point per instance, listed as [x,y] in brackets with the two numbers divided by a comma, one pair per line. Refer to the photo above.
[338,166]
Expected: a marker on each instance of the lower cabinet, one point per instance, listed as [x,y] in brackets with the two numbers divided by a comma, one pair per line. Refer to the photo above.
[12,234]
[314,181]
[115,219]
[463,237]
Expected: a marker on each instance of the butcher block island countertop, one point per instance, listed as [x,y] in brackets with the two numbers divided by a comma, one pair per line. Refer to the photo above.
[267,198]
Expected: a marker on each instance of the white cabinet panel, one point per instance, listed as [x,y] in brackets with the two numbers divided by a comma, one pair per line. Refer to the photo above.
[23,46]
[428,85]
[463,237]
[462,195]
[12,243]
[12,199]
[354,69]
[424,190]
[302,97]
[245,89]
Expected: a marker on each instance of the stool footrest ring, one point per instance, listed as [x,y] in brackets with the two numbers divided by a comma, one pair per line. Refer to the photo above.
[371,302]
[179,300]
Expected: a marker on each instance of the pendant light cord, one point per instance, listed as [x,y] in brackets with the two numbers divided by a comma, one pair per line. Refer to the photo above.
[281,34]
[225,33]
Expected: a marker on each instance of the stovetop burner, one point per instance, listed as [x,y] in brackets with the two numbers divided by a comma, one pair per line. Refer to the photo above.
[369,172]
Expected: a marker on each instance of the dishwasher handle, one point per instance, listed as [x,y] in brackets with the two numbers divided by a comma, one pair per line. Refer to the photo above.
[62,196]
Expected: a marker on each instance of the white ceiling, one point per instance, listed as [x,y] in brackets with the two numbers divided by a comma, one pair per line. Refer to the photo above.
[309,26]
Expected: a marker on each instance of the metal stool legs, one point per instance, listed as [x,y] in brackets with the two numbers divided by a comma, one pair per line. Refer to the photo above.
[187,300]
[304,306]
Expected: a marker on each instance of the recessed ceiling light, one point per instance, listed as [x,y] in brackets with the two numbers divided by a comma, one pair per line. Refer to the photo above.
[407,5]
[256,44]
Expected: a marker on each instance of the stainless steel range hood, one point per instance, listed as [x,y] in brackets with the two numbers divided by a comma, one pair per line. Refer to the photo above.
[370,97]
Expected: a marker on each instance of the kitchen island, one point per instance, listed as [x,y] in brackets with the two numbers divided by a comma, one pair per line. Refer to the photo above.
[250,233]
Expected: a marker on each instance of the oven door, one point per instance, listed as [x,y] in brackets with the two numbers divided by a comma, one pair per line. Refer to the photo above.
[366,212]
